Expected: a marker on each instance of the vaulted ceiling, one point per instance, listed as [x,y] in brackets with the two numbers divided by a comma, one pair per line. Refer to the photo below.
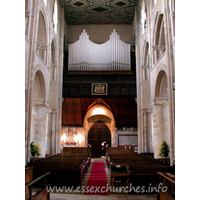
[123,109]
[78,12]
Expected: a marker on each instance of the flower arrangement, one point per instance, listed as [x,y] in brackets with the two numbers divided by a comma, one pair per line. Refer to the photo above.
[163,149]
[35,149]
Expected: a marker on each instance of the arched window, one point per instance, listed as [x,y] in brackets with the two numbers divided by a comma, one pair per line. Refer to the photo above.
[143,15]
[159,38]
[55,16]
[45,2]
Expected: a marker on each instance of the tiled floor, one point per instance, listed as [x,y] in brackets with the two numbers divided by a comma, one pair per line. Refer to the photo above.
[121,196]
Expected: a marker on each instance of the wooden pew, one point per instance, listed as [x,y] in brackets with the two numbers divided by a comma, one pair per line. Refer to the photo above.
[168,180]
[143,170]
[28,178]
[29,182]
[128,149]
[66,169]
[77,150]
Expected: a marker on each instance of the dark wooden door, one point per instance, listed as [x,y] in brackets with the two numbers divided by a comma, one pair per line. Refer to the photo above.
[99,133]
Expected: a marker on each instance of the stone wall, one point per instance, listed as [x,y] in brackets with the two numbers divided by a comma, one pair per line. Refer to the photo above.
[43,79]
[155,113]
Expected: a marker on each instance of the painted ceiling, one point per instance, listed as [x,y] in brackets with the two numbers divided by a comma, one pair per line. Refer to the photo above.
[81,12]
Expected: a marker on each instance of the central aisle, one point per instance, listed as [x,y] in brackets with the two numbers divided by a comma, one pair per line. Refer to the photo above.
[112,196]
[97,183]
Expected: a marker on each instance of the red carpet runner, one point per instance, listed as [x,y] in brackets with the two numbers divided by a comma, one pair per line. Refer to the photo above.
[97,181]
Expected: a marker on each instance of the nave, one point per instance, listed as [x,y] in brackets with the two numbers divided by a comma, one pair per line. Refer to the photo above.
[121,173]
[112,196]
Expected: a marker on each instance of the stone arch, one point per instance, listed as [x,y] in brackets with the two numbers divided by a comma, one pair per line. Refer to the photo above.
[39,111]
[160,111]
[95,116]
[161,87]
[145,66]
[159,46]
[42,36]
[146,53]
[53,61]
[40,74]
[39,86]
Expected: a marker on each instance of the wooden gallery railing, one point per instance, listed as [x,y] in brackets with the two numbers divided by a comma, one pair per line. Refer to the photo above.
[42,193]
[168,180]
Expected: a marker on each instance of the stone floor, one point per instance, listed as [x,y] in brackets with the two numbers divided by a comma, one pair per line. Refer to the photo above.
[113,196]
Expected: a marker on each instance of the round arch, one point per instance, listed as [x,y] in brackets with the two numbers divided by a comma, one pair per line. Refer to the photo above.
[38,118]
[146,53]
[39,91]
[41,75]
[159,37]
[42,35]
[161,87]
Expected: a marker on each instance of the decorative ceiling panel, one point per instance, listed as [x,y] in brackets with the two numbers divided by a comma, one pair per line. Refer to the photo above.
[79,12]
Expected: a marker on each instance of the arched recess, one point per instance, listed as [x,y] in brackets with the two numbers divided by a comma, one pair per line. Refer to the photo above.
[161,88]
[161,112]
[99,112]
[42,42]
[159,46]
[99,137]
[38,124]
[39,86]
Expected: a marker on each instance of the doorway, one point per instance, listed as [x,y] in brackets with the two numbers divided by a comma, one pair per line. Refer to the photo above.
[99,137]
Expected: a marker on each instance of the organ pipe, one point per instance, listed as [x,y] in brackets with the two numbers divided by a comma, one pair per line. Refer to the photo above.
[112,55]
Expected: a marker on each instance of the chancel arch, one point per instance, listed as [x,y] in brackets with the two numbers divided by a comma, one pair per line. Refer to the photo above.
[99,112]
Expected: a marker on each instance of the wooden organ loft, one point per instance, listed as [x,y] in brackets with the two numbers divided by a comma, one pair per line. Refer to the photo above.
[113,63]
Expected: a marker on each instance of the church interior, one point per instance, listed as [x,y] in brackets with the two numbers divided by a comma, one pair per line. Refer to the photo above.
[100,89]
